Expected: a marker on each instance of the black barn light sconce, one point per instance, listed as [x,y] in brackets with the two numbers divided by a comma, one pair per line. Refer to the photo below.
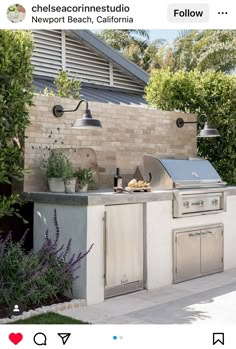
[87,121]
[206,132]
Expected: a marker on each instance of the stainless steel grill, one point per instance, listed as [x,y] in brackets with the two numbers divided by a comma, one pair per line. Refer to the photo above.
[197,187]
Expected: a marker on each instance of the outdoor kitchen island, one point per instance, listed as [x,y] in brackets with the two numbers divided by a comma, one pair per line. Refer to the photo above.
[133,237]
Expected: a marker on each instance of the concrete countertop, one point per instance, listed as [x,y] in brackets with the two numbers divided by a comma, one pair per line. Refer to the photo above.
[104,197]
[98,197]
[231,190]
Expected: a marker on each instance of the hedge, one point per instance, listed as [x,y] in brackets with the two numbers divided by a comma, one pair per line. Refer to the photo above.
[210,95]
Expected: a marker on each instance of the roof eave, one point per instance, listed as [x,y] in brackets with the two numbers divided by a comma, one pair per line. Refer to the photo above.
[108,52]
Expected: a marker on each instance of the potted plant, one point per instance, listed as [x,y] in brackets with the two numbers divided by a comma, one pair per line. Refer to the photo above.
[56,167]
[69,178]
[84,177]
[11,11]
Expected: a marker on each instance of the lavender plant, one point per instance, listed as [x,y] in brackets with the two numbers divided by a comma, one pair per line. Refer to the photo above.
[37,278]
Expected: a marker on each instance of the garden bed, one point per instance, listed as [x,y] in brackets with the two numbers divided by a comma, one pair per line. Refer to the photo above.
[37,279]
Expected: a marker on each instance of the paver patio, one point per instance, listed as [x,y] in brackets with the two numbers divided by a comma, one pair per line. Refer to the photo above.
[211,299]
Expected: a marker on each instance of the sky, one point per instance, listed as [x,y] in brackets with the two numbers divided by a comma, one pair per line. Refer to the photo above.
[167,34]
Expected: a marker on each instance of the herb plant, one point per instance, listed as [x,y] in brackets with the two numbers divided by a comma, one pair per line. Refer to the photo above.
[84,176]
[58,165]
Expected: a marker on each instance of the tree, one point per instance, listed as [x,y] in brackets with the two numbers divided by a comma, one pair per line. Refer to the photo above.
[205,50]
[183,54]
[192,49]
[15,96]
[121,38]
[147,56]
[66,87]
[209,95]
[135,45]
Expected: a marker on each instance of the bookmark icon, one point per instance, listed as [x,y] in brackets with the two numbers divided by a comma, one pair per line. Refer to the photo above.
[218,338]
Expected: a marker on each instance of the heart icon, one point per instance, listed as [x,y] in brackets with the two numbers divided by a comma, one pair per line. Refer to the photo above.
[15,338]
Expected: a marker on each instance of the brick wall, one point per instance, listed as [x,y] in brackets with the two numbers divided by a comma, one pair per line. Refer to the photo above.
[127,134]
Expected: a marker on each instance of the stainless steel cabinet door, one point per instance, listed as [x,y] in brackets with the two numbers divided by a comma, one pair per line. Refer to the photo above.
[211,250]
[124,244]
[187,255]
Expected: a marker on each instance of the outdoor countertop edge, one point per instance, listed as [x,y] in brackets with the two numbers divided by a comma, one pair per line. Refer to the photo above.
[231,190]
[104,197]
[97,198]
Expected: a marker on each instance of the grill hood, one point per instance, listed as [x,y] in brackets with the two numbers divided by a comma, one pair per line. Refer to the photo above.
[172,173]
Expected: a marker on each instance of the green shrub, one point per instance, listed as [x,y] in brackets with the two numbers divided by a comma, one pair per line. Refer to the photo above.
[15,96]
[66,87]
[208,94]
[9,208]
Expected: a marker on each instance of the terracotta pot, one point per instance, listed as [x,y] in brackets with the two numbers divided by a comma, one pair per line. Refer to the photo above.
[56,185]
[70,184]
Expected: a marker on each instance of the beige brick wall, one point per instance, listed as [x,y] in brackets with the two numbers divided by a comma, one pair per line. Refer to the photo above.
[127,134]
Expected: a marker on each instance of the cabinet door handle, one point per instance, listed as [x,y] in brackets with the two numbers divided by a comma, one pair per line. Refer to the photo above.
[207,232]
[195,234]
[105,247]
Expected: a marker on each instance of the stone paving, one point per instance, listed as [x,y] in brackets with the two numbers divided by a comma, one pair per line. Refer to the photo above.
[210,299]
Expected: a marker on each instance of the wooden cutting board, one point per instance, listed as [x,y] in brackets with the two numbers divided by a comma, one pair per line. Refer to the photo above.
[85,158]
[143,189]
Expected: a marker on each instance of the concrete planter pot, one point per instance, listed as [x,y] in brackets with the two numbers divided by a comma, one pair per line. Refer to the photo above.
[56,185]
[70,184]
[83,189]
[12,15]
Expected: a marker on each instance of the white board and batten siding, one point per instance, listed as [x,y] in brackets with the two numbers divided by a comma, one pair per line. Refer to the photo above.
[56,49]
[47,52]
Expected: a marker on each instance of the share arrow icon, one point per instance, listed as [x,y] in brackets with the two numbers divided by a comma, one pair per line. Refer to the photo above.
[64,337]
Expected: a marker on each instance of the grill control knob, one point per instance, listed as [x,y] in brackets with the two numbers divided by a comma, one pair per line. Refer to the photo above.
[202,203]
[186,204]
[214,202]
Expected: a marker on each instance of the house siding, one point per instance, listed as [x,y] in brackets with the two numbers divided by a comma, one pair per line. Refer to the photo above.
[57,49]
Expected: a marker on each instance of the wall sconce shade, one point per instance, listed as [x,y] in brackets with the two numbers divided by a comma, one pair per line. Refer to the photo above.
[87,122]
[206,132]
